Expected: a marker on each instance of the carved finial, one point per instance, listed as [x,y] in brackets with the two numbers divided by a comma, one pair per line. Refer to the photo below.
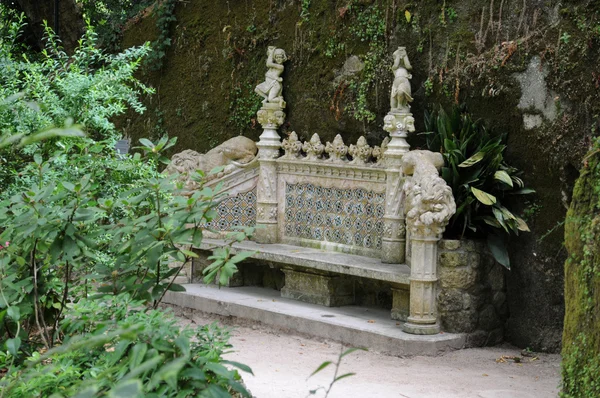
[361,152]
[337,150]
[313,148]
[401,91]
[379,152]
[292,146]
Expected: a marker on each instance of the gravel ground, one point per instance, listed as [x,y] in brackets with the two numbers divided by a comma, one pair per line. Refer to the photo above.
[282,362]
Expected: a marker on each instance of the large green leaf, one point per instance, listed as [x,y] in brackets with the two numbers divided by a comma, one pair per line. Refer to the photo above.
[497,245]
[503,176]
[127,389]
[483,197]
[473,160]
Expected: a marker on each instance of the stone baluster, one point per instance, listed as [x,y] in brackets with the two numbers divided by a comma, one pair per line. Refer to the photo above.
[429,204]
[271,117]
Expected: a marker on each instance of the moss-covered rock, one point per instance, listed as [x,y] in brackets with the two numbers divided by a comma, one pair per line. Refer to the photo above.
[581,337]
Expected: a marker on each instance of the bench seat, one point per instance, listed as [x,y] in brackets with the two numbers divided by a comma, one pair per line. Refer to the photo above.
[318,276]
[321,260]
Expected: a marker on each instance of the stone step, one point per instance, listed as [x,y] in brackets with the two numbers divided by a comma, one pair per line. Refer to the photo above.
[355,326]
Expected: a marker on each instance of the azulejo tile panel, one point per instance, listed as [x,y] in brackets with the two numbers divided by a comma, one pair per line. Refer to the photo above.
[238,210]
[351,217]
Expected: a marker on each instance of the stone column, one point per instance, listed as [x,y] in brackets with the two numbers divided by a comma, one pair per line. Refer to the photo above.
[423,280]
[270,116]
[429,204]
[398,124]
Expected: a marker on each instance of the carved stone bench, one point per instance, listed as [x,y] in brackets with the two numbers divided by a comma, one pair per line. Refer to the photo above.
[328,213]
[327,222]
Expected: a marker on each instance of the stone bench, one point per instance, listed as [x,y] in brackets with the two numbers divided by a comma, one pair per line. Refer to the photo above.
[327,214]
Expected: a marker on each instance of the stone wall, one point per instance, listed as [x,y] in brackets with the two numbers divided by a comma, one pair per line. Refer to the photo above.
[471,292]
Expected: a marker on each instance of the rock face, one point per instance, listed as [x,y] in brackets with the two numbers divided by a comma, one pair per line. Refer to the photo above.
[581,338]
[338,78]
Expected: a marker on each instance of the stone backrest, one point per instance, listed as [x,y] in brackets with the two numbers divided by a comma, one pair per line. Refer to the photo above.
[329,201]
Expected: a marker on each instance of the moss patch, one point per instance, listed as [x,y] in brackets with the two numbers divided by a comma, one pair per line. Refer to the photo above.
[581,337]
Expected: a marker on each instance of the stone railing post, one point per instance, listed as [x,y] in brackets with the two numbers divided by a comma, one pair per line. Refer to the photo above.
[429,205]
[394,238]
[270,116]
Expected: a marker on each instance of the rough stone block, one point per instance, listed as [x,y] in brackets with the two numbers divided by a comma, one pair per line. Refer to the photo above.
[496,278]
[470,245]
[400,304]
[450,300]
[453,259]
[499,302]
[495,336]
[478,338]
[474,260]
[449,244]
[460,278]
[488,319]
[459,322]
[330,291]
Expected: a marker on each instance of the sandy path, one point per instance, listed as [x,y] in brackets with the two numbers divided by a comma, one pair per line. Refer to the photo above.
[282,362]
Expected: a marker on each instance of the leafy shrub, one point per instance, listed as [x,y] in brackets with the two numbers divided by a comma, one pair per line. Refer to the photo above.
[480,179]
[90,86]
[113,349]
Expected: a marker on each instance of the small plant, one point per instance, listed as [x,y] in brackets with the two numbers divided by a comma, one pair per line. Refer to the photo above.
[304,10]
[336,378]
[480,179]
[369,28]
[428,86]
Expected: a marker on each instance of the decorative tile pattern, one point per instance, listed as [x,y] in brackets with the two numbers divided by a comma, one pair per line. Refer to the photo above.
[238,210]
[351,217]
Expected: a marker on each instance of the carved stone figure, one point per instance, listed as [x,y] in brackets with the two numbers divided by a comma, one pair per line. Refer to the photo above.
[401,91]
[429,201]
[271,88]
[233,153]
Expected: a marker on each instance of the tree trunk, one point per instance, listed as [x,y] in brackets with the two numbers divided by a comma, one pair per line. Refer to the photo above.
[70,20]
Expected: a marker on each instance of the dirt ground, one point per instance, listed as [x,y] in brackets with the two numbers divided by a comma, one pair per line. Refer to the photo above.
[282,363]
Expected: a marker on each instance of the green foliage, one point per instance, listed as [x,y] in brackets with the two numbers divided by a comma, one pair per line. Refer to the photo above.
[78,222]
[369,27]
[90,86]
[70,237]
[480,179]
[336,378]
[164,12]
[244,104]
[581,336]
[304,10]
[112,349]
[108,17]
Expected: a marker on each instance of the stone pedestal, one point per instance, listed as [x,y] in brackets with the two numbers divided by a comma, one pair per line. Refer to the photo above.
[318,288]
[423,292]
[270,116]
